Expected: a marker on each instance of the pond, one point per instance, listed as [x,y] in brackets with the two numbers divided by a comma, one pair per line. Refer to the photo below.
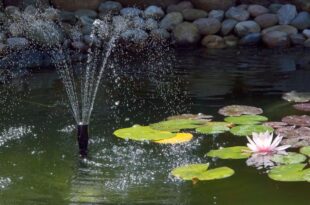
[38,152]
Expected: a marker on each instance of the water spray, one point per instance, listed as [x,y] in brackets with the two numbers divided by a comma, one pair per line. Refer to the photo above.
[82,137]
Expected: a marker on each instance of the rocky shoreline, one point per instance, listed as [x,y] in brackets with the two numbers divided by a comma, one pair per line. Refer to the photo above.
[210,25]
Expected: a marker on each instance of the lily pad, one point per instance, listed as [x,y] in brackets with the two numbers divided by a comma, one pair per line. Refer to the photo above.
[297,120]
[214,128]
[198,116]
[177,125]
[237,152]
[247,130]
[142,133]
[246,119]
[289,158]
[305,150]
[299,137]
[238,110]
[297,97]
[179,138]
[289,173]
[201,172]
[275,125]
[302,107]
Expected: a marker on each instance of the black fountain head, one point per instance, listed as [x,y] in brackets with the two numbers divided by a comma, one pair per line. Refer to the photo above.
[83,139]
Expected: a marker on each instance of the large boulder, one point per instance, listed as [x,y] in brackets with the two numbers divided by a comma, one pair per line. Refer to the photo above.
[275,39]
[246,27]
[286,14]
[193,14]
[213,4]
[302,20]
[73,5]
[267,20]
[289,30]
[237,13]
[171,20]
[208,26]
[186,33]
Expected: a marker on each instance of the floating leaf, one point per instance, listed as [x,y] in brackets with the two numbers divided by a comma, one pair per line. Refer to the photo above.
[302,121]
[214,128]
[302,107]
[305,150]
[199,116]
[247,130]
[246,119]
[201,172]
[289,173]
[275,124]
[237,152]
[296,97]
[179,138]
[289,158]
[237,110]
[177,125]
[142,133]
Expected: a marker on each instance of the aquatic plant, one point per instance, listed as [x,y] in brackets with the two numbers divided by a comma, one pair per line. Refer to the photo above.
[297,97]
[238,110]
[263,143]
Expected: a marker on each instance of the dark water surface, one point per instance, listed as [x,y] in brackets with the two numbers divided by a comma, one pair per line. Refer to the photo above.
[38,152]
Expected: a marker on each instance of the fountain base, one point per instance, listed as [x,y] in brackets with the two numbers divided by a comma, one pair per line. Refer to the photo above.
[83,139]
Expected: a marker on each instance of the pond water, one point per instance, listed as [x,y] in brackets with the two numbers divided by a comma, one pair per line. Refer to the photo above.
[38,151]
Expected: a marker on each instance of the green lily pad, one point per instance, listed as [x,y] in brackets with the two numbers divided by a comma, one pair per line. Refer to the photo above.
[305,150]
[177,125]
[247,130]
[142,133]
[289,158]
[201,172]
[289,173]
[246,119]
[214,128]
[237,152]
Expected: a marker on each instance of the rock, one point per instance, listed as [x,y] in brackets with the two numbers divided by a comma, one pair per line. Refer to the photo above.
[193,14]
[87,29]
[228,25]
[90,39]
[302,4]
[289,30]
[138,22]
[171,20]
[110,7]
[3,48]
[217,14]
[86,12]
[307,43]
[154,12]
[302,20]
[131,12]
[151,24]
[79,45]
[246,27]
[30,10]
[67,17]
[237,14]
[208,26]
[36,3]
[137,36]
[209,5]
[231,40]
[266,20]
[2,17]
[16,29]
[180,7]
[160,34]
[86,21]
[51,14]
[257,10]
[213,41]
[17,43]
[251,39]
[306,33]
[2,37]
[73,5]
[146,3]
[243,6]
[44,33]
[297,39]
[275,39]
[274,8]
[186,33]
[13,12]
[286,14]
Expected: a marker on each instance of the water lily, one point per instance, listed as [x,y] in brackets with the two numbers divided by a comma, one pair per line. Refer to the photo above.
[263,143]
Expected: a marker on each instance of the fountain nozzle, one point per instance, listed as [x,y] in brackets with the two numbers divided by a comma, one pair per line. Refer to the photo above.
[83,139]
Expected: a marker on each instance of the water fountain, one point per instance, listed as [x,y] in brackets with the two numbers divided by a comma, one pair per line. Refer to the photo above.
[104,37]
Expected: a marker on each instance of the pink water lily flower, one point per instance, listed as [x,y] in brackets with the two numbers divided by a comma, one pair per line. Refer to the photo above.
[263,143]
